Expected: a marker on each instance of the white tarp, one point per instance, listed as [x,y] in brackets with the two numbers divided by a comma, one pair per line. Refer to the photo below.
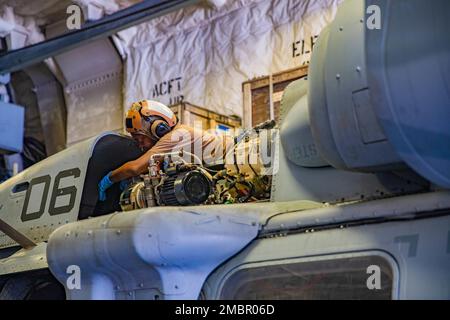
[203,55]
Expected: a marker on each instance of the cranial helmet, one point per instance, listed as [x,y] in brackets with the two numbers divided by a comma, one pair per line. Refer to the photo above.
[150,118]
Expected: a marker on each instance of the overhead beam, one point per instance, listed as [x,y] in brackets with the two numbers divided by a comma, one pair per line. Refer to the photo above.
[18,59]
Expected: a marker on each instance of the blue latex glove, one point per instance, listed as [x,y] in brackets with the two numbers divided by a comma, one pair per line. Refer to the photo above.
[103,185]
[165,165]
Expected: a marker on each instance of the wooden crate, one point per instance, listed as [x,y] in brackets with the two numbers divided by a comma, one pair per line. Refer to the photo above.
[262,96]
[188,113]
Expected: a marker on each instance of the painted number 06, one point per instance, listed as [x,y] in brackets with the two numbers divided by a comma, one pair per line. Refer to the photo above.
[56,192]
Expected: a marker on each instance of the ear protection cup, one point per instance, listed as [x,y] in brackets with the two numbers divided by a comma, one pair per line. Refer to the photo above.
[159,128]
[150,118]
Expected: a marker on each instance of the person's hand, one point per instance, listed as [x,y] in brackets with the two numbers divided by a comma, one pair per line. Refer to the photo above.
[103,185]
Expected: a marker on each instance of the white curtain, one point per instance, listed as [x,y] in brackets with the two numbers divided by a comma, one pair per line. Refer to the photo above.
[203,55]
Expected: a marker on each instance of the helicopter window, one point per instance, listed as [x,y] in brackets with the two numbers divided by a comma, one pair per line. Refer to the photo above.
[110,152]
[337,279]
[21,187]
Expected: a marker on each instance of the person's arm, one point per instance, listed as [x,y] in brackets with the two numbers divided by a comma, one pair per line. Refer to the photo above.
[126,171]
[132,168]
[177,138]
[140,165]
[135,167]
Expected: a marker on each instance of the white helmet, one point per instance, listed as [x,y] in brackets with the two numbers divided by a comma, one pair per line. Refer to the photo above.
[150,118]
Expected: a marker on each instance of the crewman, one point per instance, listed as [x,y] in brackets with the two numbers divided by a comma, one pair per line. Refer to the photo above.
[155,128]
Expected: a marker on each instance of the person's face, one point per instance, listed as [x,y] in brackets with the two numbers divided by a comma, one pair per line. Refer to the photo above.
[144,142]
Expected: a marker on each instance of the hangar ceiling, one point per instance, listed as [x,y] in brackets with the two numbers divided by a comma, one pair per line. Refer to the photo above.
[44,11]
